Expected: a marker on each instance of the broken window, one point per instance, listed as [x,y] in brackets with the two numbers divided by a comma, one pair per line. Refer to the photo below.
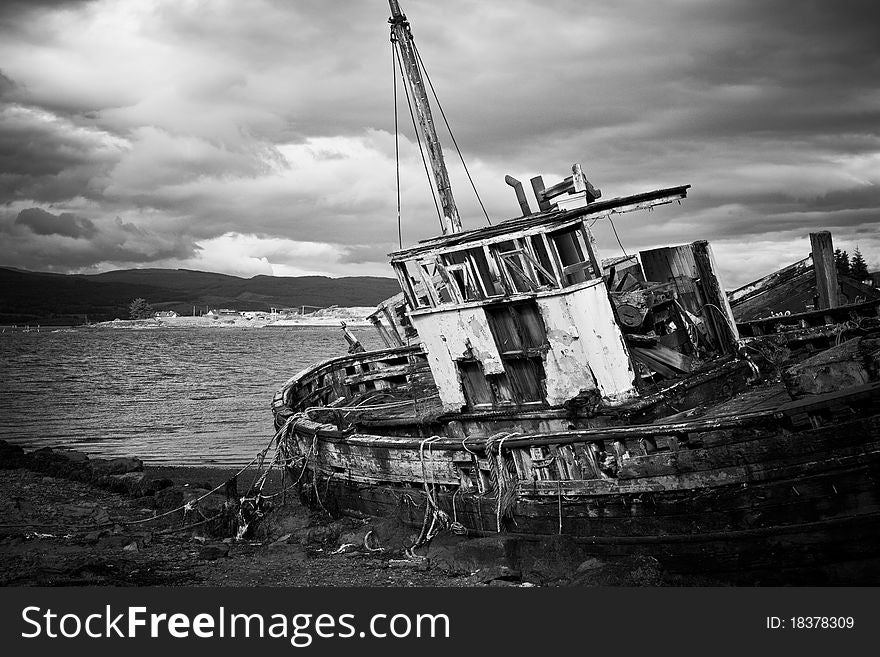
[412,283]
[545,272]
[522,265]
[574,256]
[488,275]
[463,276]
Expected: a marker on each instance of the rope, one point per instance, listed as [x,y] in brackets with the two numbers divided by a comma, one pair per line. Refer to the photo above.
[454,142]
[396,145]
[505,486]
[439,519]
[192,503]
[419,140]
[619,243]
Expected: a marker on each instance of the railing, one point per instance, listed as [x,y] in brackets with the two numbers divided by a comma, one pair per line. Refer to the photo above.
[398,371]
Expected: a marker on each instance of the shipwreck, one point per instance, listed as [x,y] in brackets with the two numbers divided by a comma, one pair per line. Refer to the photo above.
[533,389]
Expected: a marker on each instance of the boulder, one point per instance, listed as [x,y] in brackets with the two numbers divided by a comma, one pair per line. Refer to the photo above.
[122,465]
[459,555]
[550,559]
[170,497]
[637,570]
[132,484]
[85,510]
[213,551]
[71,455]
[12,456]
[65,463]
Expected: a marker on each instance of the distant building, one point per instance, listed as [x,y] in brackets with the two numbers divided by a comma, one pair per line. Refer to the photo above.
[874,278]
[228,312]
[166,313]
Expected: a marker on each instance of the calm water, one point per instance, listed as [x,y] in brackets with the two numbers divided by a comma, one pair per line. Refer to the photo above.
[174,396]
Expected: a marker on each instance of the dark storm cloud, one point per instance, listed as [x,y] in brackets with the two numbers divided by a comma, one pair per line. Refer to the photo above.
[14,9]
[41,222]
[38,239]
[271,118]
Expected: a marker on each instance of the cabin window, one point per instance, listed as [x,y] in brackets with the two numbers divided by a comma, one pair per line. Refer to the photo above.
[462,275]
[525,263]
[413,279]
[514,265]
[545,271]
[573,256]
[488,275]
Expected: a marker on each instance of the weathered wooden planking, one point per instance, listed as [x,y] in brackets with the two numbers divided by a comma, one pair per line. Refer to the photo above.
[560,462]
[737,475]
[792,447]
[848,488]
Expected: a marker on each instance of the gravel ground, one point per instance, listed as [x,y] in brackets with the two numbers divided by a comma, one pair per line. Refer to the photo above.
[58,532]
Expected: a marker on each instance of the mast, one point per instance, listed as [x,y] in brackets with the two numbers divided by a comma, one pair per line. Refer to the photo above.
[401,34]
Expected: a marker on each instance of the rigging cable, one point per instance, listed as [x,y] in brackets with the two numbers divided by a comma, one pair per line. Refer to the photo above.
[418,139]
[396,146]
[454,142]
[611,221]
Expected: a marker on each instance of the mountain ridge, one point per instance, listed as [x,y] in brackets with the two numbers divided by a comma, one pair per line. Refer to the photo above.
[52,298]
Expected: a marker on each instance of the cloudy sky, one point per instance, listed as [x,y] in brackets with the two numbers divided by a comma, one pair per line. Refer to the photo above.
[256,136]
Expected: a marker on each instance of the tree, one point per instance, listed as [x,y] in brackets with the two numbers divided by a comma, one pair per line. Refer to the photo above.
[841,262]
[140,309]
[858,268]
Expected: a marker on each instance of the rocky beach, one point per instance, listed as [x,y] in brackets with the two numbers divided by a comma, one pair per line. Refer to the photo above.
[67,519]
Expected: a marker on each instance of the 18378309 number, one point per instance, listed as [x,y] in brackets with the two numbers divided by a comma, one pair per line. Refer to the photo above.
[822,622]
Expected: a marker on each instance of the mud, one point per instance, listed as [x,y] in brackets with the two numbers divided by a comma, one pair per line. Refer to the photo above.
[68,521]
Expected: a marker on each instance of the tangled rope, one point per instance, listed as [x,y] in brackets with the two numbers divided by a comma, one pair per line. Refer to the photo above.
[436,520]
[191,505]
[503,483]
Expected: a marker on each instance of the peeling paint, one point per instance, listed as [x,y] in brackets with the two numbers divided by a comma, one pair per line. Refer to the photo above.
[449,335]
[563,337]
[587,351]
[590,354]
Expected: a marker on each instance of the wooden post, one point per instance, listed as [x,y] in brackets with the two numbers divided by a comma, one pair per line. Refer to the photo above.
[826,271]
[381,330]
[718,308]
[396,334]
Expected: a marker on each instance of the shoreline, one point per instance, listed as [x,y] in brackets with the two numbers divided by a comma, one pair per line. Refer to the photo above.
[225,323]
[66,519]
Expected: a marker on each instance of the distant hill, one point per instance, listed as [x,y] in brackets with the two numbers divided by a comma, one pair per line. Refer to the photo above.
[39,297]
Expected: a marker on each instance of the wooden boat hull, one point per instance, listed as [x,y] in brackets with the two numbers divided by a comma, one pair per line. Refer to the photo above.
[841,550]
[795,488]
